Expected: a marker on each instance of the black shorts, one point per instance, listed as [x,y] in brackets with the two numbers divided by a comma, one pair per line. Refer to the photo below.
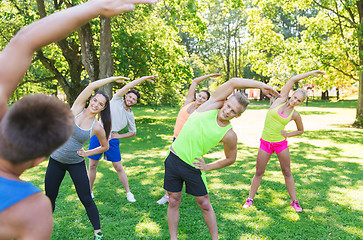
[177,171]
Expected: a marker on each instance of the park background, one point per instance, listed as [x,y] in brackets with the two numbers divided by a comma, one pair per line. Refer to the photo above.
[266,40]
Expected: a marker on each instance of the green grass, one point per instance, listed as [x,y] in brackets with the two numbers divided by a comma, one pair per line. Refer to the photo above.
[327,167]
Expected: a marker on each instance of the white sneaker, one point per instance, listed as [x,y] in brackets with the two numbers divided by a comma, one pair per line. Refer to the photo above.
[130,197]
[163,200]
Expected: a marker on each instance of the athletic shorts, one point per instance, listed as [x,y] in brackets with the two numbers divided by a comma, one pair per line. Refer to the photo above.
[112,154]
[177,172]
[272,147]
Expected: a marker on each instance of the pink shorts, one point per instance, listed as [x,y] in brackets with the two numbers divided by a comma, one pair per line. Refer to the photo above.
[272,147]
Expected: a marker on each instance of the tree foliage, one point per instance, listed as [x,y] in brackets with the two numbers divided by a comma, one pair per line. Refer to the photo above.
[268,40]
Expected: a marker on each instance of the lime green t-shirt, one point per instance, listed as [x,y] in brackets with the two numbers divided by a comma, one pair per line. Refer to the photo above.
[200,133]
[274,123]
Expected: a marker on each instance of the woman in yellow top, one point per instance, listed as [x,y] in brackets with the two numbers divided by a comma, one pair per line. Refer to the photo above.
[274,137]
[188,108]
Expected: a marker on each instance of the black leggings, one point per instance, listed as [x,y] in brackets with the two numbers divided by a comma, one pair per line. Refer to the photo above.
[54,177]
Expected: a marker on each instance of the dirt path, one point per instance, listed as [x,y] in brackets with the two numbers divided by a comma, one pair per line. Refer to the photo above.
[249,126]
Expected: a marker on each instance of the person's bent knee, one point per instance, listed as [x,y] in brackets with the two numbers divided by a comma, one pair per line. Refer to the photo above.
[93,164]
[286,172]
[118,167]
[205,206]
[174,201]
[259,172]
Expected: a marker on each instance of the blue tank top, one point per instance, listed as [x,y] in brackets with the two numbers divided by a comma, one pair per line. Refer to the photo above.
[67,153]
[12,191]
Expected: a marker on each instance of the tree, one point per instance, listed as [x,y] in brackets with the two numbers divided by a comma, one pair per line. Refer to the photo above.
[328,36]
[74,61]
[147,45]
[347,18]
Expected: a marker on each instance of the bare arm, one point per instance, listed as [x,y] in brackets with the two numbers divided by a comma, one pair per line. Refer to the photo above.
[80,101]
[16,58]
[193,86]
[132,84]
[123,135]
[299,125]
[228,87]
[290,83]
[230,151]
[104,144]
[29,219]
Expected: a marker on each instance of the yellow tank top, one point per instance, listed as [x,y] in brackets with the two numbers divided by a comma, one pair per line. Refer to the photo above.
[274,123]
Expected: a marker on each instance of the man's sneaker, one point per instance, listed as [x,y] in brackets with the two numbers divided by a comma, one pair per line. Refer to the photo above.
[98,236]
[296,206]
[248,203]
[163,200]
[130,197]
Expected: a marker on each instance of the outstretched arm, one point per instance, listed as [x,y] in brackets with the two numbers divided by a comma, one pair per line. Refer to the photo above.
[16,58]
[193,86]
[80,101]
[228,87]
[132,84]
[290,83]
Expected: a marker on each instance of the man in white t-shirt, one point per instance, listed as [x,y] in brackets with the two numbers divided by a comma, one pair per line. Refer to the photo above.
[121,116]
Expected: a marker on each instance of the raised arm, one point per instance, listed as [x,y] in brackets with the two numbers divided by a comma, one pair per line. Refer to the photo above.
[16,58]
[132,84]
[228,87]
[290,83]
[193,86]
[80,101]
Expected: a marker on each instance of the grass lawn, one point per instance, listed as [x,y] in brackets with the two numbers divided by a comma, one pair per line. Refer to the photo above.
[327,166]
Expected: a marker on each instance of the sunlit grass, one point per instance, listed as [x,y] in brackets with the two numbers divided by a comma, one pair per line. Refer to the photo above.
[327,166]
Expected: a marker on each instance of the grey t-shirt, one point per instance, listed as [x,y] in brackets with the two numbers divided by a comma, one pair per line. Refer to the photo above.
[67,153]
[120,117]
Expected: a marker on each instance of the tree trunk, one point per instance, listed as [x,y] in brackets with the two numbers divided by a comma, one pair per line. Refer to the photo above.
[228,53]
[337,90]
[89,55]
[235,57]
[359,117]
[325,95]
[106,61]
[70,51]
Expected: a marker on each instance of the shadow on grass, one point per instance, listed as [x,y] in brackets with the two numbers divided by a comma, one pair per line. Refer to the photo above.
[315,113]
[322,180]
[324,177]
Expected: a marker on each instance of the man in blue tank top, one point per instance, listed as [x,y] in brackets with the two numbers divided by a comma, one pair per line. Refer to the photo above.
[37,124]
[205,128]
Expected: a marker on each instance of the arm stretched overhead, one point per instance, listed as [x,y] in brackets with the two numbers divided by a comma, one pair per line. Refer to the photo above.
[16,57]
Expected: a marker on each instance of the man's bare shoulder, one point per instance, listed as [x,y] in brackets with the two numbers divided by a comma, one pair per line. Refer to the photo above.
[230,137]
[28,219]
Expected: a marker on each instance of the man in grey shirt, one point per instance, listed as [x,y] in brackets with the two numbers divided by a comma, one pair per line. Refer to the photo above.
[121,116]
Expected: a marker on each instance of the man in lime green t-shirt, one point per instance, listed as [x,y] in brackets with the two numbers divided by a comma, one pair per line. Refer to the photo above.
[204,129]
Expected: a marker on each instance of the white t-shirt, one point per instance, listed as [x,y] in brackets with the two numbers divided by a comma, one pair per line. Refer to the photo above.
[120,117]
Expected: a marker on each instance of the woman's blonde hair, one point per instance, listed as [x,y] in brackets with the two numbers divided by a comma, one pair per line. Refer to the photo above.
[302,91]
